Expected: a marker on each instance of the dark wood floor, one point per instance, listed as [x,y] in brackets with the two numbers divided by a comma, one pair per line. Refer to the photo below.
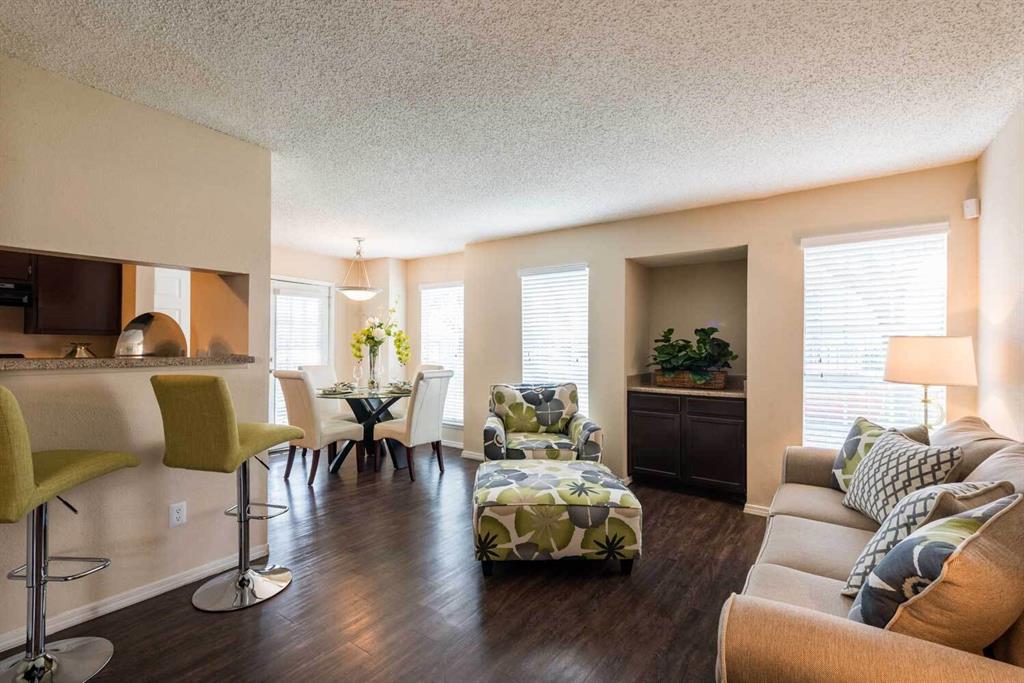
[386,589]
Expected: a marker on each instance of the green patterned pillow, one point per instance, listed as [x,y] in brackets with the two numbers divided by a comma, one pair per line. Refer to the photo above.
[857,445]
[957,581]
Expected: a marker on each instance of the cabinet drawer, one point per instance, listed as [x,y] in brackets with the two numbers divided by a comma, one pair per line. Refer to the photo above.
[724,407]
[656,402]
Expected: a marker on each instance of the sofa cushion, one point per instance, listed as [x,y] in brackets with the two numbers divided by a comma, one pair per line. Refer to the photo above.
[975,437]
[1006,464]
[818,503]
[794,587]
[813,547]
[957,581]
[914,511]
[538,446]
[894,467]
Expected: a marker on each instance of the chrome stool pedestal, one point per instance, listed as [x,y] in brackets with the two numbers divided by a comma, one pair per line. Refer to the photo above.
[66,661]
[245,585]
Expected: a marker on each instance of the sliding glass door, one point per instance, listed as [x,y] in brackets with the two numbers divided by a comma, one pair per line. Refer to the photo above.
[301,315]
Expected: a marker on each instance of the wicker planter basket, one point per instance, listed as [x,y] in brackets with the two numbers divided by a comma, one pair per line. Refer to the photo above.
[684,380]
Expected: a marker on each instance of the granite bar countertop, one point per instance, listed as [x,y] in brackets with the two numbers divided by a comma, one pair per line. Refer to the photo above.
[9,364]
[735,387]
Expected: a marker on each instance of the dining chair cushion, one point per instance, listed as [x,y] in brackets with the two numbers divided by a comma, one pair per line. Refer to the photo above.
[341,430]
[392,429]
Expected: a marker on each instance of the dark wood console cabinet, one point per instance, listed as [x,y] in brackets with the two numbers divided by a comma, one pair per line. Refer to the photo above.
[688,441]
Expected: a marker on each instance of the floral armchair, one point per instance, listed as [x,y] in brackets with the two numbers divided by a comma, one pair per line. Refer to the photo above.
[539,422]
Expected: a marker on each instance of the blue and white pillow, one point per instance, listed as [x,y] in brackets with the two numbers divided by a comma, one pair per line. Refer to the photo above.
[914,511]
[957,581]
[894,467]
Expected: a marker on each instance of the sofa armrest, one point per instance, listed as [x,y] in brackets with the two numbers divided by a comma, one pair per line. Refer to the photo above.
[763,640]
[587,437]
[808,465]
[494,438]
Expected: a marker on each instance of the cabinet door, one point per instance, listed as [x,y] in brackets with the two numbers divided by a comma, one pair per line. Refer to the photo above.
[654,440]
[15,266]
[75,296]
[715,454]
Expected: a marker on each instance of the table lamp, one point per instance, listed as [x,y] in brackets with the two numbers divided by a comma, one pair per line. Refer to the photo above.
[931,361]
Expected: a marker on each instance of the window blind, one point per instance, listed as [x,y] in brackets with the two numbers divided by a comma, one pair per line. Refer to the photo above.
[441,341]
[555,327]
[856,295]
[300,333]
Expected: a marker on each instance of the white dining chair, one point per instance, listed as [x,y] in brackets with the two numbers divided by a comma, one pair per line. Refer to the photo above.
[304,411]
[323,376]
[399,410]
[423,423]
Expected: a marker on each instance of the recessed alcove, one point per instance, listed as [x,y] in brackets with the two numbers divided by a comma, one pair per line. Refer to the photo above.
[686,291]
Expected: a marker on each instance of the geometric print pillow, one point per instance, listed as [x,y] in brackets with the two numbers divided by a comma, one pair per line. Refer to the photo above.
[894,467]
[914,511]
[957,581]
[858,442]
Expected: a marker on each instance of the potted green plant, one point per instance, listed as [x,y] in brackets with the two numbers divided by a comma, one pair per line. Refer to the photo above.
[684,364]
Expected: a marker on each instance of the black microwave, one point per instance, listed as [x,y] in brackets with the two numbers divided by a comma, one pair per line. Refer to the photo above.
[15,294]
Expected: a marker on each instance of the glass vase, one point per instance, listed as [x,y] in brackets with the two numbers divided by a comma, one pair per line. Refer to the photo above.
[373,380]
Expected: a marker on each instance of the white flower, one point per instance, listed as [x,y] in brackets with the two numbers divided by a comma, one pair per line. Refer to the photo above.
[379,334]
[373,322]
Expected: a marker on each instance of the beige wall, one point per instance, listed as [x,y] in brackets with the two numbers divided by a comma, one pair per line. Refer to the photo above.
[84,172]
[771,228]
[426,271]
[1001,280]
[692,295]
[637,316]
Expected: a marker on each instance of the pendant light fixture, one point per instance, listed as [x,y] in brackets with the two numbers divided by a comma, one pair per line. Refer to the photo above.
[358,288]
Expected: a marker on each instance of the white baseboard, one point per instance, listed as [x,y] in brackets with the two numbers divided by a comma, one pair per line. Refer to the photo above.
[451,444]
[756,510]
[472,455]
[78,615]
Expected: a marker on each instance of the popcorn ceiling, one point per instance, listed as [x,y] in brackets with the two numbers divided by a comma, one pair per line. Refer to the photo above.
[426,125]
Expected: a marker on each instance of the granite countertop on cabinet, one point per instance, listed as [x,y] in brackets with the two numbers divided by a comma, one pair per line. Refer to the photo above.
[735,387]
[125,363]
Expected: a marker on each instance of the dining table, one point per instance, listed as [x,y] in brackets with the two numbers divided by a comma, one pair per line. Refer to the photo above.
[369,406]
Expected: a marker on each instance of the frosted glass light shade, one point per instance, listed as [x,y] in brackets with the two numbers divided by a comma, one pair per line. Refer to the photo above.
[359,293]
[933,361]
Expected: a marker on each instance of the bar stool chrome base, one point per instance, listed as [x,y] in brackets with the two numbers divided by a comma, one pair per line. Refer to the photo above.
[74,660]
[236,590]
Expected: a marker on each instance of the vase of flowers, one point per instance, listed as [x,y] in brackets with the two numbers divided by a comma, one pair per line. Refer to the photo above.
[374,336]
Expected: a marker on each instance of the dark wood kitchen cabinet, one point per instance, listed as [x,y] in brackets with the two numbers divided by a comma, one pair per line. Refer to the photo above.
[681,440]
[15,266]
[74,296]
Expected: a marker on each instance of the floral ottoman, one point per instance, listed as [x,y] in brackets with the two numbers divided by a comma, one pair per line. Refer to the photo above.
[552,510]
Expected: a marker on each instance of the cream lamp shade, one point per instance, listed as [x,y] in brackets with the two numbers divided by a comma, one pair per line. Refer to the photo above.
[932,361]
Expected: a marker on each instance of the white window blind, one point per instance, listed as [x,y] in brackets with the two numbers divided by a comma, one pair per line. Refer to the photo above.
[555,327]
[300,333]
[856,295]
[441,339]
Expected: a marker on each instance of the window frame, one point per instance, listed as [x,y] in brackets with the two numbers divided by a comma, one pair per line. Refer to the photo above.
[523,274]
[460,373]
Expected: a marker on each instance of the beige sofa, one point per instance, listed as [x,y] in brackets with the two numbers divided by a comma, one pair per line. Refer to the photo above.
[790,623]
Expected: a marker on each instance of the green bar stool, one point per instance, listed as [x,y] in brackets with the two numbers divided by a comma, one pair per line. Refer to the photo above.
[201,433]
[28,482]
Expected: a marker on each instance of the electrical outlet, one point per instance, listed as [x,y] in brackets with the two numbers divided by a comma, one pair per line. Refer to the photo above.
[178,514]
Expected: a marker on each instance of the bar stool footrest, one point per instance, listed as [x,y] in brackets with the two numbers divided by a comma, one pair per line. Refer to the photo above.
[280,510]
[98,564]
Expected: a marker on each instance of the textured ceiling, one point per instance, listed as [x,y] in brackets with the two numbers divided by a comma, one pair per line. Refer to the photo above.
[426,125]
